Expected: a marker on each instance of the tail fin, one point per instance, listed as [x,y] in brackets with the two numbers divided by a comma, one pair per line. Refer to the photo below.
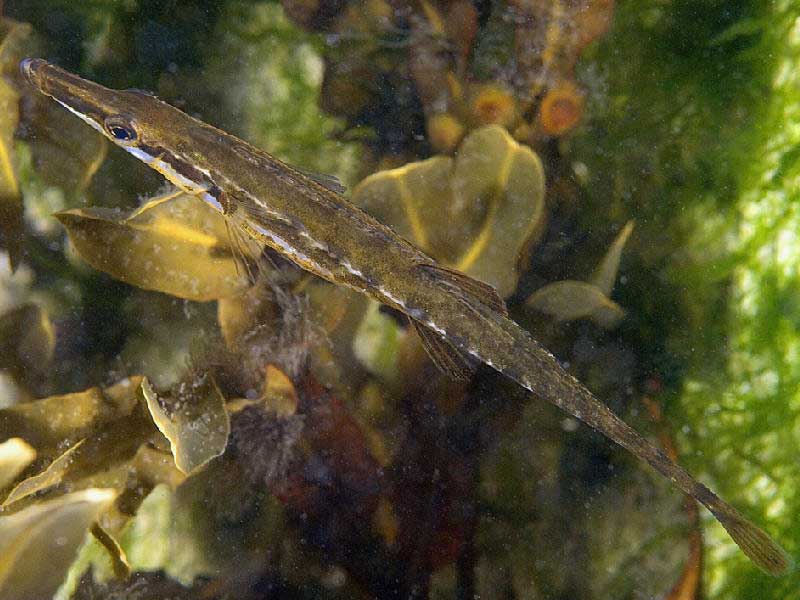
[757,545]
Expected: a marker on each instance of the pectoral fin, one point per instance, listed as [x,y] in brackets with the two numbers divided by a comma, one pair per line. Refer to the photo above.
[449,360]
[468,288]
[247,253]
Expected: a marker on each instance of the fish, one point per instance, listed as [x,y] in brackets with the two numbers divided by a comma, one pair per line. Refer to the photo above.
[306,218]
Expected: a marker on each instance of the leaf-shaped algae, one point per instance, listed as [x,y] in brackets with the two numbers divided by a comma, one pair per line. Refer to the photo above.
[119,561]
[101,459]
[494,170]
[279,393]
[12,37]
[194,421]
[376,343]
[174,244]
[65,152]
[51,476]
[569,300]
[103,431]
[27,341]
[478,212]
[242,315]
[49,421]
[38,543]
[15,455]
[606,273]
[10,199]
[338,312]
[162,537]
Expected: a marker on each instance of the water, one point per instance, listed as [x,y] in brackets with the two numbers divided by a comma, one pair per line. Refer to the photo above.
[295,440]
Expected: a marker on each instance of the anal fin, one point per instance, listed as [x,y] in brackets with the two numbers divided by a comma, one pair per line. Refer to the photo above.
[459,282]
[449,360]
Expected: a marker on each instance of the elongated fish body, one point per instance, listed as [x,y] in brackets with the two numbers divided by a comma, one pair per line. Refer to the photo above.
[460,320]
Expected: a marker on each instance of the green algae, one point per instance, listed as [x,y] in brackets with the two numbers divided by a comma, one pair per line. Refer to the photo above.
[713,103]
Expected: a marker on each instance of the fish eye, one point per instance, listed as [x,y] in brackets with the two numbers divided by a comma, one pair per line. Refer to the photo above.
[120,129]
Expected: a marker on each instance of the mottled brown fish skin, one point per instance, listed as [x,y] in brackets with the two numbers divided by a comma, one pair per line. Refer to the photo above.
[324,233]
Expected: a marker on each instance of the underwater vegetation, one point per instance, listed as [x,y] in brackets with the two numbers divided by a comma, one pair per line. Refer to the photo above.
[177,421]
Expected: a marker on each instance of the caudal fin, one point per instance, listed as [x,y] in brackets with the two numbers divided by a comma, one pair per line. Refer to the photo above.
[756,544]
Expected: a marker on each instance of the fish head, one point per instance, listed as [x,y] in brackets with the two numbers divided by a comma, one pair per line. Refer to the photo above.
[146,127]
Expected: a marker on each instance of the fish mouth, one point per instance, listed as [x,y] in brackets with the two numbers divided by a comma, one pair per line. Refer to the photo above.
[29,67]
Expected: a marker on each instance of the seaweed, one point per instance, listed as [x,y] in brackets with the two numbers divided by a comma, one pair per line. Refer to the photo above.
[190,421]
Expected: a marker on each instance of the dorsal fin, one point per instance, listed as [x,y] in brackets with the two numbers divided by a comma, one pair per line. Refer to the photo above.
[141,92]
[448,359]
[330,182]
[461,283]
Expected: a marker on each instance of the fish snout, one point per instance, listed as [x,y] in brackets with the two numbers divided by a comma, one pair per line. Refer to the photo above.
[29,68]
